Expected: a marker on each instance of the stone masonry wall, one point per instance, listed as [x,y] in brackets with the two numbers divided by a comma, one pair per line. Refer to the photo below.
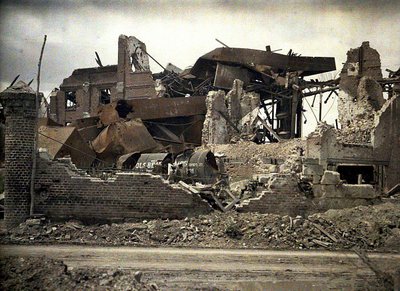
[62,192]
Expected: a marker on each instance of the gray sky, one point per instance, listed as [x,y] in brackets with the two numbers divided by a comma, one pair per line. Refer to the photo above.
[181,31]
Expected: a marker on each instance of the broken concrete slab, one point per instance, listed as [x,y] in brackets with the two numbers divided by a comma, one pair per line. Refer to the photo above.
[330,178]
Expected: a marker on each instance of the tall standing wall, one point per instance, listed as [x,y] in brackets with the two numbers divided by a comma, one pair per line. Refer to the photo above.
[19,104]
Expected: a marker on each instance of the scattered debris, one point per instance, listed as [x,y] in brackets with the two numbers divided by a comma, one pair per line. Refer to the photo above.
[365,227]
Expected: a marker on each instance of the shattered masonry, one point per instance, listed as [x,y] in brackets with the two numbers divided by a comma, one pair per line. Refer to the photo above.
[224,134]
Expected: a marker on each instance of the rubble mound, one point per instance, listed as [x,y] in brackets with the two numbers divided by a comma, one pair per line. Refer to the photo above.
[374,227]
[45,274]
[245,159]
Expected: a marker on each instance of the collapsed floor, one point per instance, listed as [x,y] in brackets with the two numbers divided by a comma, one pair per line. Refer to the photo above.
[374,227]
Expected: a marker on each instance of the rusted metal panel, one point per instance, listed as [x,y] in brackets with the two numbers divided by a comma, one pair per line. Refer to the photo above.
[89,133]
[85,122]
[124,137]
[66,141]
[251,57]
[147,109]
[225,75]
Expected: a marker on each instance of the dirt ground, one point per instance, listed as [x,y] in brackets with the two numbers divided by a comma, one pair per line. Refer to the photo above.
[46,274]
[374,227]
[68,267]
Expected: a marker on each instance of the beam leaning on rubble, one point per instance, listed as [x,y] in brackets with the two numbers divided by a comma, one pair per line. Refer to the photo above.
[269,128]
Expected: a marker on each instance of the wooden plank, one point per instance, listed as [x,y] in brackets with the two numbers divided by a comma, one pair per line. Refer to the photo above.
[325,232]
[269,128]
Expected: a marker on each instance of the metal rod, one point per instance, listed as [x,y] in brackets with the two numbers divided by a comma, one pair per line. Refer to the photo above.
[320,105]
[15,79]
[155,61]
[222,43]
[320,91]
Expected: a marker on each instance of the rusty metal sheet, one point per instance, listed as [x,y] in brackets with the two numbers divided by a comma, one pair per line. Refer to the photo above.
[45,121]
[158,108]
[225,75]
[248,57]
[66,141]
[108,114]
[84,122]
[124,137]
[89,133]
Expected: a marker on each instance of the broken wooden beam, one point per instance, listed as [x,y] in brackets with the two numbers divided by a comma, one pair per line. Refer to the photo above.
[269,128]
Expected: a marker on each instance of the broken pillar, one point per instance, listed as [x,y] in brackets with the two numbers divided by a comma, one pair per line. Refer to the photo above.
[360,95]
[233,102]
[134,78]
[19,104]
[249,108]
[215,129]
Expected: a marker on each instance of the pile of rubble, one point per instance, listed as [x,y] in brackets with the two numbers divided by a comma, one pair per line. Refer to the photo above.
[245,159]
[45,274]
[366,227]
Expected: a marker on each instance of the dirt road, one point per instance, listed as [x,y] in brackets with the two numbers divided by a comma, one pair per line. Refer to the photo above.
[240,269]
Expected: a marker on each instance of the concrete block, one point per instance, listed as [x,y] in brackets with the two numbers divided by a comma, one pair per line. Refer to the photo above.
[332,191]
[359,191]
[318,190]
[311,169]
[316,179]
[310,161]
[330,178]
[340,203]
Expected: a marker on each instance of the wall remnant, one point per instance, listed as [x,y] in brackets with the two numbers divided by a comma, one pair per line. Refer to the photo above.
[19,104]
[232,117]
[360,95]
[281,196]
[215,127]
[63,191]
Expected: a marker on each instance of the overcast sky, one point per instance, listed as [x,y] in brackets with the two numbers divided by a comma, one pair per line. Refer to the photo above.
[181,31]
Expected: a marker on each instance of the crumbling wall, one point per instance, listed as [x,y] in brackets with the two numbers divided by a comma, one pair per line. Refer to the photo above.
[87,84]
[386,139]
[360,95]
[134,78]
[232,117]
[281,197]
[233,103]
[324,145]
[249,107]
[63,192]
[215,128]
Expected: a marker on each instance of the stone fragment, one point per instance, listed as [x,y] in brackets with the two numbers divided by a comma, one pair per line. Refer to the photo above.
[138,276]
[330,178]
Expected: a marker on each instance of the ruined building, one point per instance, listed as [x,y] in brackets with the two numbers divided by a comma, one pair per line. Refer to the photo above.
[221,135]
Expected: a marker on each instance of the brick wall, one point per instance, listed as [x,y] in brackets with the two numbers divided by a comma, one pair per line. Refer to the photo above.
[19,138]
[62,192]
[281,197]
